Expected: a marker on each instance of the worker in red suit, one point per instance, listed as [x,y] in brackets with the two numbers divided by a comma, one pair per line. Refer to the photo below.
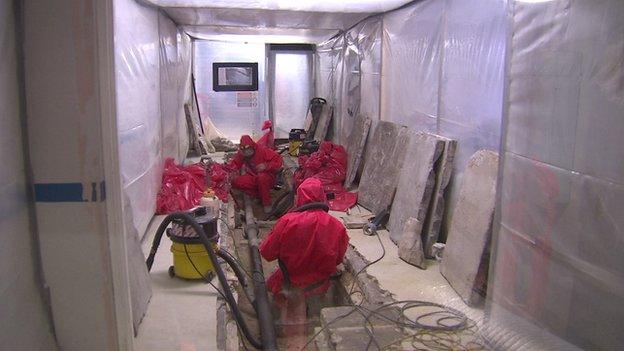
[268,139]
[309,243]
[258,166]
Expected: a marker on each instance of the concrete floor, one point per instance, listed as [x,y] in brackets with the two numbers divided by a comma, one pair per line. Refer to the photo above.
[181,314]
[404,281]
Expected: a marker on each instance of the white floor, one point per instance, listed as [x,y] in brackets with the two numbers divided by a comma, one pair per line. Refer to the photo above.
[181,314]
[404,281]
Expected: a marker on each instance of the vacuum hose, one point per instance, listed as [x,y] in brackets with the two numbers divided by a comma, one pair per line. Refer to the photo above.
[227,292]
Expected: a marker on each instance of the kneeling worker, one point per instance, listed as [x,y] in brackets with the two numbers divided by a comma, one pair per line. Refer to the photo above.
[258,166]
[308,242]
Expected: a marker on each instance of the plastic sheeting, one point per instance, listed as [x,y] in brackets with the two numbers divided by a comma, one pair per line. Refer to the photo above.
[259,35]
[443,68]
[152,59]
[558,273]
[329,79]
[258,18]
[349,6]
[175,87]
[229,110]
[436,66]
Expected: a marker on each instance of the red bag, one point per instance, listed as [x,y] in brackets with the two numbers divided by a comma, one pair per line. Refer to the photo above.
[219,180]
[182,187]
[329,165]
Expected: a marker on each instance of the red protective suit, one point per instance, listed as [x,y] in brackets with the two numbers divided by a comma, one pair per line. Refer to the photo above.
[256,182]
[310,244]
[268,139]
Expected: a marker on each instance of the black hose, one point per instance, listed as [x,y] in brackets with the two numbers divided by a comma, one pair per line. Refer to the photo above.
[229,297]
[265,316]
[281,205]
[240,275]
[312,206]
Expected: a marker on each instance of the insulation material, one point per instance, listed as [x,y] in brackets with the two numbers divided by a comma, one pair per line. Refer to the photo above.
[558,268]
[227,110]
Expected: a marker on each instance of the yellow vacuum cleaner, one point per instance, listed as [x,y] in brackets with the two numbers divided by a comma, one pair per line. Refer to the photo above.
[190,259]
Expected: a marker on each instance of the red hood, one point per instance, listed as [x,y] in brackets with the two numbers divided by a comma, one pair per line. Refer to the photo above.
[311,190]
[267,124]
[246,140]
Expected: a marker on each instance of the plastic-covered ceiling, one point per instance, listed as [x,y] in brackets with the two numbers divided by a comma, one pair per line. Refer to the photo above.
[275,21]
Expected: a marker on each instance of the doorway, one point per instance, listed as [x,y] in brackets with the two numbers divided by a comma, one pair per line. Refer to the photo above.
[290,76]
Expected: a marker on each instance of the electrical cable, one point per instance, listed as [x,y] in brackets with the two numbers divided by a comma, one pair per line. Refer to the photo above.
[383,254]
[439,336]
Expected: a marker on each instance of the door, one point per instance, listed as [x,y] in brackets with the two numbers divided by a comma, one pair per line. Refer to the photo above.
[290,75]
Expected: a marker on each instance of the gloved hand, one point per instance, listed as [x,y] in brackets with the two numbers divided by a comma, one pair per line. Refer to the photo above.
[261,167]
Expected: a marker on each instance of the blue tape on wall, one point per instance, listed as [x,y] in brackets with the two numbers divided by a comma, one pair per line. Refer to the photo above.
[68,192]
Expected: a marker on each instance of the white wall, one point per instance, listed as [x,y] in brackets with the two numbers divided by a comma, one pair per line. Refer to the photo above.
[25,323]
[64,118]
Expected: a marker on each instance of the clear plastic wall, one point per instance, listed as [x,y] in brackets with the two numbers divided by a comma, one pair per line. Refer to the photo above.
[558,272]
[443,72]
[152,59]
[436,66]
[348,75]
[175,87]
[228,110]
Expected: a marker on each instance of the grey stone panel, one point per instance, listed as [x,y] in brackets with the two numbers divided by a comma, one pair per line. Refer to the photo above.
[383,164]
[416,183]
[470,229]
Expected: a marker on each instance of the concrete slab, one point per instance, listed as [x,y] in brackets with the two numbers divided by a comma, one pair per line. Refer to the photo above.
[416,183]
[383,163]
[323,123]
[345,327]
[471,226]
[355,147]
[410,246]
[444,170]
